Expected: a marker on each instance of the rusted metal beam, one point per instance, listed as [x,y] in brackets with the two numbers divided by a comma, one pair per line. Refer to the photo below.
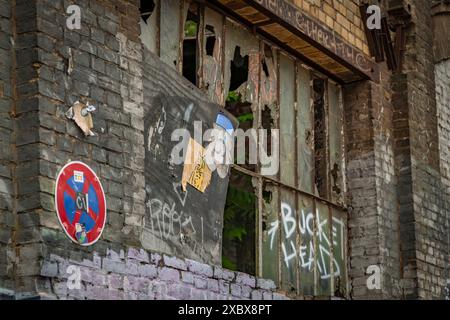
[215,5]
[318,35]
[293,188]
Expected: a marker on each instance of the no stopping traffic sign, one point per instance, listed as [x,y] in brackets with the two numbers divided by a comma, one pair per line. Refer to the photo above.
[80,203]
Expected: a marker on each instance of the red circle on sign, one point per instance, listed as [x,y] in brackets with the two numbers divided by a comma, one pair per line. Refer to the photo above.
[80,203]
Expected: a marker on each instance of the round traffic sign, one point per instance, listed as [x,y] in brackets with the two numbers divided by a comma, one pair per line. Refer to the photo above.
[80,203]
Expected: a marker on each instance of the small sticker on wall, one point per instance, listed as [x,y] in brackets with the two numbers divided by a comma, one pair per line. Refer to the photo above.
[80,203]
[195,171]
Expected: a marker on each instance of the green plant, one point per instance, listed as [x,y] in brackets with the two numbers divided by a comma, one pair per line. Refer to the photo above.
[239,209]
[245,117]
[190,29]
[233,96]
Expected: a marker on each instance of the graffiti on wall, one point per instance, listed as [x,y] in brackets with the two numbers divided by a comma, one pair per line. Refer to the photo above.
[182,218]
[311,242]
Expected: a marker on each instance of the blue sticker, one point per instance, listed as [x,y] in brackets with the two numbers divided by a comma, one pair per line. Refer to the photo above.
[225,123]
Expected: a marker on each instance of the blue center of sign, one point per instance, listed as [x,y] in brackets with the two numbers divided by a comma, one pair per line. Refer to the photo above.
[71,205]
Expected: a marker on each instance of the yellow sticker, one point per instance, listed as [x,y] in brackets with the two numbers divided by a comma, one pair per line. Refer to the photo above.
[195,171]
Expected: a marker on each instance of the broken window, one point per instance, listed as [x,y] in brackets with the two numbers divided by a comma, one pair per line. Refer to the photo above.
[148,25]
[210,36]
[146,8]
[190,50]
[288,226]
[239,70]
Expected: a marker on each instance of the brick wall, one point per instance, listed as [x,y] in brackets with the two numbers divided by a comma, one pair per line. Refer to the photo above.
[6,141]
[423,235]
[442,73]
[340,15]
[137,274]
[371,179]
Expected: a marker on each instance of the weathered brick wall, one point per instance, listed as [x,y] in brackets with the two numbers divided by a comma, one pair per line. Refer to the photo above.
[442,73]
[430,215]
[371,179]
[6,141]
[423,235]
[137,274]
[342,16]
[102,57]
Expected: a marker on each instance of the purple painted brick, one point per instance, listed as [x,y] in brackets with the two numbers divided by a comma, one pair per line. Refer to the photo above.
[199,268]
[62,269]
[56,258]
[197,294]
[174,262]
[86,274]
[213,285]
[77,294]
[158,290]
[60,289]
[148,271]
[155,258]
[97,260]
[135,284]
[224,287]
[129,295]
[221,273]
[279,296]
[245,279]
[267,295]
[168,274]
[98,279]
[200,282]
[49,269]
[187,277]
[115,281]
[115,294]
[246,291]
[179,292]
[90,264]
[266,284]
[114,266]
[139,255]
[132,267]
[97,293]
[236,290]
[112,255]
[256,295]
[212,295]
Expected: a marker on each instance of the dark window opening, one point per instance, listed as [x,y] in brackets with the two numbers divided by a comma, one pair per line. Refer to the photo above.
[239,69]
[190,46]
[239,224]
[335,176]
[320,138]
[210,36]
[267,198]
[146,8]
[267,123]
[242,110]
[264,67]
